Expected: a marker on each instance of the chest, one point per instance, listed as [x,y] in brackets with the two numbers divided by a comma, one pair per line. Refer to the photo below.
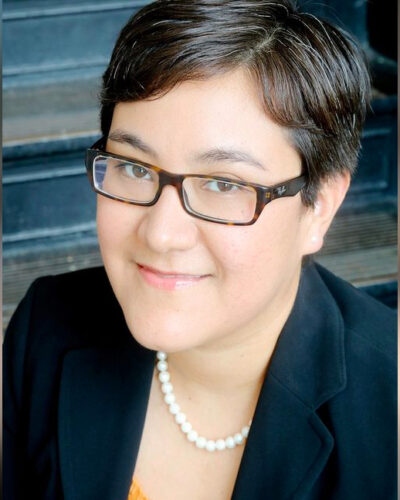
[168,467]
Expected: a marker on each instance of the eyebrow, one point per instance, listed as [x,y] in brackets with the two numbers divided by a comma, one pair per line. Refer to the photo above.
[214,154]
[131,139]
[229,155]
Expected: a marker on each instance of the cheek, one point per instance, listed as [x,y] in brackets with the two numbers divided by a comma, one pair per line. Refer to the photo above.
[115,223]
[273,239]
[259,262]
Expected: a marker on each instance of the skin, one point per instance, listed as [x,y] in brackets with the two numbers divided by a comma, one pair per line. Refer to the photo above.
[220,333]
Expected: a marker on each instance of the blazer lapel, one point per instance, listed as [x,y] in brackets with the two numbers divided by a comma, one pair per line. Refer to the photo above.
[288,444]
[286,449]
[102,407]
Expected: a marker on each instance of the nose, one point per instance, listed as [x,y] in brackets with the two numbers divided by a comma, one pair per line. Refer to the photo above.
[166,227]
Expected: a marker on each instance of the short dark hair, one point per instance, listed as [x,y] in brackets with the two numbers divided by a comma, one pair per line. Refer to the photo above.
[312,76]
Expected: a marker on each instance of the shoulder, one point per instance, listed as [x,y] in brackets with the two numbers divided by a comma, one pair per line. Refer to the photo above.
[70,290]
[362,416]
[59,314]
[366,321]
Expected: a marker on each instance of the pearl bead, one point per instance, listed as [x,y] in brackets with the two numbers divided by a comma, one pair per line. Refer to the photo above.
[174,408]
[220,444]
[180,418]
[230,442]
[192,436]
[167,387]
[162,366]
[245,431]
[186,427]
[164,377]
[169,398]
[201,442]
[210,445]
[238,438]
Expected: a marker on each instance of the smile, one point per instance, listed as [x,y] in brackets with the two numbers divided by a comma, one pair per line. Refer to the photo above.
[169,280]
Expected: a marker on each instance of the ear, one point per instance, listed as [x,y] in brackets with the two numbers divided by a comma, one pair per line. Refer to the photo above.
[330,196]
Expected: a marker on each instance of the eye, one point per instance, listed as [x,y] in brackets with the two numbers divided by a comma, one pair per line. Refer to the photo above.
[135,171]
[221,186]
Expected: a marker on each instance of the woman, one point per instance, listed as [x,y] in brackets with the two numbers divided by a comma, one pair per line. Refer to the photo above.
[206,360]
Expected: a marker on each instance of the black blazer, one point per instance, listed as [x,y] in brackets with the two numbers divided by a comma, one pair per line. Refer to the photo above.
[77,385]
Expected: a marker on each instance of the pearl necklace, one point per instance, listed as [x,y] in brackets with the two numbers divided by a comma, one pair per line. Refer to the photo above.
[180,418]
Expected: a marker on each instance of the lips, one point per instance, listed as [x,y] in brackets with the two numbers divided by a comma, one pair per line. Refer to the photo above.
[170,280]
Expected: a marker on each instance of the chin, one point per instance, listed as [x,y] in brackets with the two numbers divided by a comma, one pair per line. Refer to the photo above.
[159,338]
[161,344]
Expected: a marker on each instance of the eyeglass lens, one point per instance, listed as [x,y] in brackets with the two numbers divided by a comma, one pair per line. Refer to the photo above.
[208,197]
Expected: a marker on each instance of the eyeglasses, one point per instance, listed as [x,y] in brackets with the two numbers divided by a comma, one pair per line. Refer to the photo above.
[212,198]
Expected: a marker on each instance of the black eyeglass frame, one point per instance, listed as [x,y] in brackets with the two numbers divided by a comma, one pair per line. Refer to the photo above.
[265,194]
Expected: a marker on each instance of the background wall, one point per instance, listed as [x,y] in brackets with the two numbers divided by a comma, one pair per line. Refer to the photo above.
[54,54]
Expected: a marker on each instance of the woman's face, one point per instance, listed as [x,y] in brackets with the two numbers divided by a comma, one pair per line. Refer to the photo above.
[183,282]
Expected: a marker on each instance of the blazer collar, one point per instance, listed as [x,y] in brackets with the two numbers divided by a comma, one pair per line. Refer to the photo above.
[309,357]
[288,445]
[104,394]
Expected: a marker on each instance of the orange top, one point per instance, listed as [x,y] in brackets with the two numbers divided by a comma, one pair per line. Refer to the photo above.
[135,493]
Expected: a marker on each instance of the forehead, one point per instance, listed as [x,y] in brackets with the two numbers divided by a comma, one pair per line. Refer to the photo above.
[224,111]
[230,94]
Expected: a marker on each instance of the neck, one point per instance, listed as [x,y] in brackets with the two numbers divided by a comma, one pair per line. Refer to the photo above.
[229,372]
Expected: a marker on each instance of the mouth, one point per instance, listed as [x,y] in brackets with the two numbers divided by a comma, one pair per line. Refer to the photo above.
[169,280]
